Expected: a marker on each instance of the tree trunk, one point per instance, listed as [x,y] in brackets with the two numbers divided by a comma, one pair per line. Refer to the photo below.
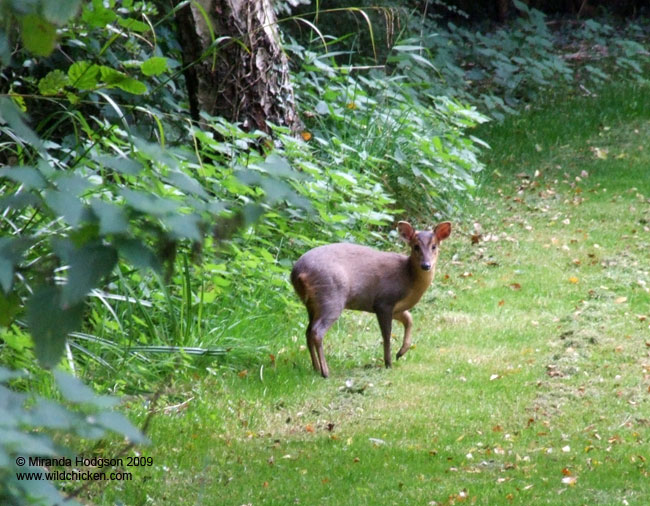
[235,66]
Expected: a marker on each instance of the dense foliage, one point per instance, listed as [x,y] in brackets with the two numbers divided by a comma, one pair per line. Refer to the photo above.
[130,232]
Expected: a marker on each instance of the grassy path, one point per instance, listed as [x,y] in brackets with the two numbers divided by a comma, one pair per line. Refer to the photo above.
[530,379]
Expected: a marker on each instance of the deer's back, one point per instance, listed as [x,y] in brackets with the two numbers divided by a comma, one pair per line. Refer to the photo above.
[354,276]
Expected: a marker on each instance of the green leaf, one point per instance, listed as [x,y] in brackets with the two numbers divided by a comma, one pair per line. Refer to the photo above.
[28,176]
[148,203]
[49,323]
[118,423]
[73,184]
[8,374]
[110,75]
[74,390]
[11,252]
[133,25]
[53,415]
[183,226]
[5,48]
[132,85]
[53,83]
[112,219]
[187,184]
[99,16]
[88,265]
[6,274]
[11,115]
[278,166]
[9,305]
[39,35]
[154,66]
[28,444]
[65,205]
[60,12]
[115,78]
[138,255]
[120,164]
[83,75]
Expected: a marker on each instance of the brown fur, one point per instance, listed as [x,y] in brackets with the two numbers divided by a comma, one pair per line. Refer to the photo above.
[331,278]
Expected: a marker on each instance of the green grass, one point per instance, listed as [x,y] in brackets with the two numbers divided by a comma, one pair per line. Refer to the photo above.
[529,382]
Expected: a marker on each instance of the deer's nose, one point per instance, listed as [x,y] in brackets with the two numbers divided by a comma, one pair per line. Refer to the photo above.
[426,266]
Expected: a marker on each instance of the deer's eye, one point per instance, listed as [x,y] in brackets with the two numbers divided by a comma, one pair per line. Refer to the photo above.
[433,247]
[416,247]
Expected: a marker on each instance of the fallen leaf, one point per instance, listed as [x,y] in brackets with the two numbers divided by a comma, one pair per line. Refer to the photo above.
[600,153]
[515,286]
[306,136]
[502,302]
[309,428]
[620,300]
[570,480]
[243,374]
[573,280]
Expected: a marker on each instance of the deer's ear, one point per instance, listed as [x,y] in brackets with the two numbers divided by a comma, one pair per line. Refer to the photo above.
[442,231]
[406,231]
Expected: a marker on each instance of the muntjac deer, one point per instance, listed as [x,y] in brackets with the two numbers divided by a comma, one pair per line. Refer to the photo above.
[331,278]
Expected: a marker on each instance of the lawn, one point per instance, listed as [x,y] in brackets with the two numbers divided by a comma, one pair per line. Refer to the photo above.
[529,379]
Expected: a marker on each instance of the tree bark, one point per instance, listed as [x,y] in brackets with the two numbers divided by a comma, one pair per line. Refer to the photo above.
[235,66]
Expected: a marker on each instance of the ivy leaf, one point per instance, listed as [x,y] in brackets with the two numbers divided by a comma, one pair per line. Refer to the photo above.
[39,35]
[154,66]
[49,324]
